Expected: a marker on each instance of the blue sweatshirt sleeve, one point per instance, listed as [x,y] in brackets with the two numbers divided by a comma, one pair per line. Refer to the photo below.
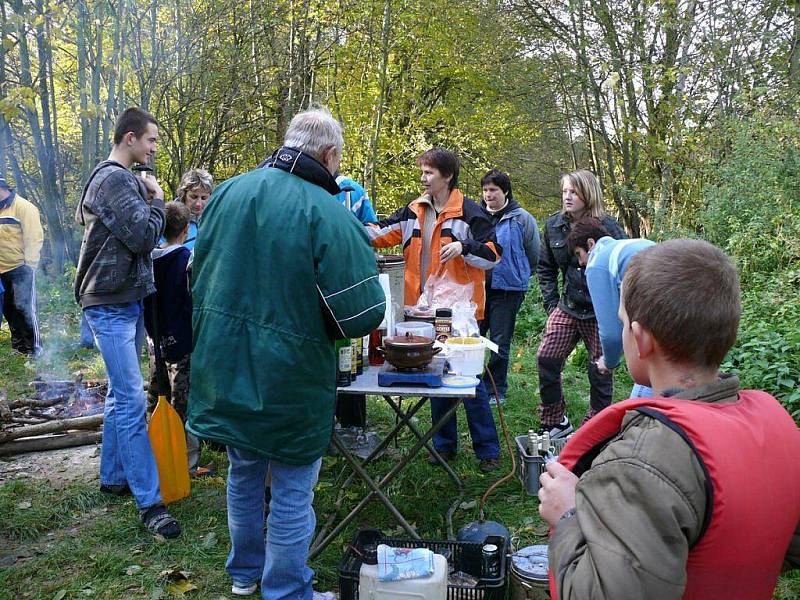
[605,299]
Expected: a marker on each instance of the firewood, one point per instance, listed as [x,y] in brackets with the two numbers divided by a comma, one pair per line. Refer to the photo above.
[28,420]
[36,413]
[58,426]
[19,402]
[52,442]
[5,409]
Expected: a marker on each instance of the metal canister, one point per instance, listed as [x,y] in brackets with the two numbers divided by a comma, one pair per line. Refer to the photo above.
[394,265]
[490,560]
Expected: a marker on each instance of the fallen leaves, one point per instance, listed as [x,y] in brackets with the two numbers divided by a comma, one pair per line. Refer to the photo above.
[178,582]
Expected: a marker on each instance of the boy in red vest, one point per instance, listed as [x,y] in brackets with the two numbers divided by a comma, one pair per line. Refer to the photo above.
[694,493]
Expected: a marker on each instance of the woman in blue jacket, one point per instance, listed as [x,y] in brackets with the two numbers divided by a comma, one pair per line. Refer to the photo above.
[518,234]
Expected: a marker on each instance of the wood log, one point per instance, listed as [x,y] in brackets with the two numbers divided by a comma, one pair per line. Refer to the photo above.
[35,413]
[21,402]
[58,426]
[28,420]
[5,409]
[52,442]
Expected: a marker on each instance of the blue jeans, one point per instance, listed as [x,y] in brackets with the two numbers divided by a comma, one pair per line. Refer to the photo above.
[481,427]
[500,317]
[126,455]
[87,338]
[279,562]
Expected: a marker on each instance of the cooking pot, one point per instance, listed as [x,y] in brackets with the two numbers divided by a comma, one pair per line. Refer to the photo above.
[409,351]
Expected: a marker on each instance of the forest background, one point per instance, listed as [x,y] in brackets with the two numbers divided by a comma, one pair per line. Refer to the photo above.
[686,109]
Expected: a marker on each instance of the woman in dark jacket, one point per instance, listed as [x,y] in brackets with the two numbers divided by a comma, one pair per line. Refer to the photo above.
[571,315]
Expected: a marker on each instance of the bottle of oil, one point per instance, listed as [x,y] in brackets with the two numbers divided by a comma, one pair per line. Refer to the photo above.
[344,360]
[354,359]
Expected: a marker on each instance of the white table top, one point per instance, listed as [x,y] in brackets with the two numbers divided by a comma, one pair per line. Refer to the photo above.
[367,383]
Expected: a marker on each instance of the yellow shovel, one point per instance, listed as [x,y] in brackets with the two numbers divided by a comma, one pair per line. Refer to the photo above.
[167,436]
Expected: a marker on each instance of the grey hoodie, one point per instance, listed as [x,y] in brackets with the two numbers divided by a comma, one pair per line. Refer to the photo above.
[121,229]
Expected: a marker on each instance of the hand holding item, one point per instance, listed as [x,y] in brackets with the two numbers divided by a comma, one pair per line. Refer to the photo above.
[450,251]
[557,492]
[600,363]
[153,189]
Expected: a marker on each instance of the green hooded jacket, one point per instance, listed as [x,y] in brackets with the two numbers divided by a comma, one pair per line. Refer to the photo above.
[280,271]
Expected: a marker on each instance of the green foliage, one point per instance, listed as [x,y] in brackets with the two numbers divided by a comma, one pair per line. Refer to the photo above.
[753,208]
[753,213]
[767,353]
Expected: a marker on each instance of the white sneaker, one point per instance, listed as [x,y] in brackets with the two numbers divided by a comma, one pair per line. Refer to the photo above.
[324,596]
[244,590]
[560,431]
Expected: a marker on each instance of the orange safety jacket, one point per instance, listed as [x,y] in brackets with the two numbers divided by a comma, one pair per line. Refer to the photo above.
[461,220]
[748,451]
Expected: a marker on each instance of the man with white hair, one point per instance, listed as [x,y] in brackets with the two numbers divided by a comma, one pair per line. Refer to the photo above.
[280,272]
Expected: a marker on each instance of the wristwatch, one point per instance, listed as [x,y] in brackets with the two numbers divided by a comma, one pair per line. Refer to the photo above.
[567,514]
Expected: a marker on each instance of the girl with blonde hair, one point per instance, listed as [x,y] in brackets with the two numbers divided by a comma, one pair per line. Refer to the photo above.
[570,312]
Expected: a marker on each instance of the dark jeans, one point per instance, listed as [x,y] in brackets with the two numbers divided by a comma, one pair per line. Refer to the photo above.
[500,317]
[482,429]
[19,309]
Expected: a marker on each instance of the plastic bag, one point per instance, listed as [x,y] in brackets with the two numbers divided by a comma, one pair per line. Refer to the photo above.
[464,322]
[442,291]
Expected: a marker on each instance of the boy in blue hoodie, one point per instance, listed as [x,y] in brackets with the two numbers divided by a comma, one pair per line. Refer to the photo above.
[606,260]
[172,303]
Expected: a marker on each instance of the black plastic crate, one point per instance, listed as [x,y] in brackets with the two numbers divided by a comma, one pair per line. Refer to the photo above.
[462,556]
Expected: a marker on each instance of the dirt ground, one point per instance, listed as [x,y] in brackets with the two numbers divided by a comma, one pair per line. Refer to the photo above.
[60,467]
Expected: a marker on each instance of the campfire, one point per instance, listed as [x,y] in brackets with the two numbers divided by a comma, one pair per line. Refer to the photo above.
[65,399]
[57,414]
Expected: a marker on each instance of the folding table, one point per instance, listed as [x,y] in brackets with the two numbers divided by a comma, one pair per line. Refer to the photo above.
[367,383]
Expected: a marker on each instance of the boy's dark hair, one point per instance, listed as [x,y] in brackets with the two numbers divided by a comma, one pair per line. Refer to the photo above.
[177,219]
[498,178]
[445,161]
[686,293]
[584,230]
[134,120]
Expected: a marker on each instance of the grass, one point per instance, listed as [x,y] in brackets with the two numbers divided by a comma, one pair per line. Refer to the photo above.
[79,543]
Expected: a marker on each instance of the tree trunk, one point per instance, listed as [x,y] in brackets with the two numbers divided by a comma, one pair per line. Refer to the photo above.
[43,141]
[81,29]
[97,66]
[794,53]
[111,87]
[376,134]
[5,148]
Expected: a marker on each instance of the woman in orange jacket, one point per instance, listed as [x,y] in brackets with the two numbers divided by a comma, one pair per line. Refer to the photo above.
[443,228]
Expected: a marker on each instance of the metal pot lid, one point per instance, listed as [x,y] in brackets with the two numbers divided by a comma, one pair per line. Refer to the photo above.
[531,562]
[408,341]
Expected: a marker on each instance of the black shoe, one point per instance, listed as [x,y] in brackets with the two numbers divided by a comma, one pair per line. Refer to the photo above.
[560,431]
[159,522]
[120,489]
[487,465]
[446,455]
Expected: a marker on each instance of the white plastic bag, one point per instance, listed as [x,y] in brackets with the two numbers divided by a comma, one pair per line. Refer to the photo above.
[464,322]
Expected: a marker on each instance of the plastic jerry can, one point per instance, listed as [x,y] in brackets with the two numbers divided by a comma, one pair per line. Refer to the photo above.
[427,588]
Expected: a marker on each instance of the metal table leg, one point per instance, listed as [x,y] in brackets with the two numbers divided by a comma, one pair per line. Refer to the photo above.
[320,545]
[428,446]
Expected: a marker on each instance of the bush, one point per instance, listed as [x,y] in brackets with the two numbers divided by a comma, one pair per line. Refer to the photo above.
[767,353]
[753,200]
